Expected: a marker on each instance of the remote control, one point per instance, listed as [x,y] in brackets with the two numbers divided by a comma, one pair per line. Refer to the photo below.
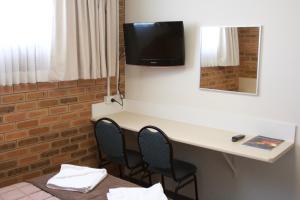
[237,138]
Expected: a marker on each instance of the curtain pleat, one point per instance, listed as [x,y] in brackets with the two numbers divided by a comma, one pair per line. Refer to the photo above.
[228,51]
[219,47]
[25,41]
[58,40]
[23,65]
[86,39]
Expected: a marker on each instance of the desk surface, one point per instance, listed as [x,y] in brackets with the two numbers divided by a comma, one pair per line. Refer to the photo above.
[200,136]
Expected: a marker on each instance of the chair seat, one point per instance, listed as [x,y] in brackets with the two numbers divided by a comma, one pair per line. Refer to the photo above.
[134,158]
[182,170]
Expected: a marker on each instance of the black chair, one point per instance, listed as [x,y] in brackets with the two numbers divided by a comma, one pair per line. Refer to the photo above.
[157,152]
[111,142]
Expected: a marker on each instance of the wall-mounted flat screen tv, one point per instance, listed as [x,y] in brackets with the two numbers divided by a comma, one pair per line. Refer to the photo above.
[155,44]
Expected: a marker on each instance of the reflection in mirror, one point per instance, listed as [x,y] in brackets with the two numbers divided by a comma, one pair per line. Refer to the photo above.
[230,58]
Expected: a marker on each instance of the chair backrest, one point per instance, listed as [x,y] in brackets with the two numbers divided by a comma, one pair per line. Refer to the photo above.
[155,148]
[110,138]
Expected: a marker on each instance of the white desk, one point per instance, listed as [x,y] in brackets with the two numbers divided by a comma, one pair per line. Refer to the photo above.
[200,136]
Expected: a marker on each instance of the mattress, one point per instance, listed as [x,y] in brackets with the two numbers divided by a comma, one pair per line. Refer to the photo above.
[35,189]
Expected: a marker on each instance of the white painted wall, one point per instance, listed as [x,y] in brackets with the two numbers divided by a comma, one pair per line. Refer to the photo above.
[279,89]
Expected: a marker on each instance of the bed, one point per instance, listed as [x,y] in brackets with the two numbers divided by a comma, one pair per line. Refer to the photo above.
[35,189]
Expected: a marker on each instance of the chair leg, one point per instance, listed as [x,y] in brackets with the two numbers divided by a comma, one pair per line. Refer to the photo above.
[130,173]
[150,178]
[176,191]
[120,171]
[135,171]
[163,181]
[143,176]
[196,186]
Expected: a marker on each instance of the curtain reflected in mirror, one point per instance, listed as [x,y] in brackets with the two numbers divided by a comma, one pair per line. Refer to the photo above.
[230,58]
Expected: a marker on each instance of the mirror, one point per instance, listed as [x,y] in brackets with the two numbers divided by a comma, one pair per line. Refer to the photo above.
[230,58]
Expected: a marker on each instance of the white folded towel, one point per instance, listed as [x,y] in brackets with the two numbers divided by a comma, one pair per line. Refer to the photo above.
[153,193]
[76,178]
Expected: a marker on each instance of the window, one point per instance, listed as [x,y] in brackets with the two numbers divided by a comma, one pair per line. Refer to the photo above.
[219,46]
[57,40]
[25,40]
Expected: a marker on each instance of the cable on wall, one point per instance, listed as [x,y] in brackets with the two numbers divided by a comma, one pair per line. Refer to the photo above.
[118,60]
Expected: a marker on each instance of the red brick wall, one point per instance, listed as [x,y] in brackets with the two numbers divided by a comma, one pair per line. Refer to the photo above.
[249,41]
[227,78]
[222,78]
[46,124]
[43,125]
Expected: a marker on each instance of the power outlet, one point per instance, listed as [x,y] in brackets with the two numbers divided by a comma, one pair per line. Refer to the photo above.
[107,99]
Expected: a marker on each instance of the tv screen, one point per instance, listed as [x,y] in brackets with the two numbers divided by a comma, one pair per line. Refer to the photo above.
[154,44]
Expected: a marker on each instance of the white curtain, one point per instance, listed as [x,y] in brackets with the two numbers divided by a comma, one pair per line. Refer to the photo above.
[86,39]
[219,47]
[25,40]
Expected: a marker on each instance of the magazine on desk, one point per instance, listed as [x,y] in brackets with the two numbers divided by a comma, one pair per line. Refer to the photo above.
[263,142]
